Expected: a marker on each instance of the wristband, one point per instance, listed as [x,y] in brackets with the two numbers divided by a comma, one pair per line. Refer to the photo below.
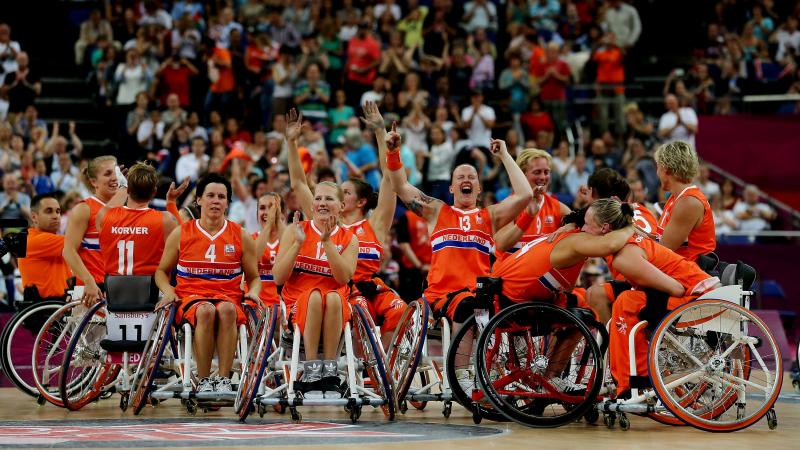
[393,161]
[524,220]
[172,208]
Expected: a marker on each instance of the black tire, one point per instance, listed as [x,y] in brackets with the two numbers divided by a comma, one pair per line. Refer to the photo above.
[24,326]
[373,360]
[484,409]
[258,354]
[151,356]
[534,398]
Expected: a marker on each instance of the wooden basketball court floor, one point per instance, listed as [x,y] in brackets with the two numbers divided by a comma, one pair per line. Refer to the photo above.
[16,408]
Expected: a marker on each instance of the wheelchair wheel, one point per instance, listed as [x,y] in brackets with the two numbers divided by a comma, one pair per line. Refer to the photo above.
[539,365]
[727,371]
[16,346]
[85,373]
[50,348]
[261,347]
[461,360]
[373,356]
[405,350]
[152,354]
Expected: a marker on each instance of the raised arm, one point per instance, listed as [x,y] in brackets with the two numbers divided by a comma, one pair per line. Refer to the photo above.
[381,218]
[504,212]
[506,237]
[297,176]
[632,263]
[168,260]
[414,199]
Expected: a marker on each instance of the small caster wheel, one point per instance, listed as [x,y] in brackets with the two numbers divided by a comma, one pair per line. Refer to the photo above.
[355,413]
[191,408]
[123,403]
[624,422]
[476,415]
[740,412]
[448,409]
[154,402]
[403,406]
[796,385]
[40,400]
[296,416]
[609,420]
[591,416]
[261,409]
[280,409]
[772,419]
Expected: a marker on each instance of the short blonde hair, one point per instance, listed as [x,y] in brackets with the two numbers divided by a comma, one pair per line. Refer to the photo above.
[679,159]
[339,192]
[529,154]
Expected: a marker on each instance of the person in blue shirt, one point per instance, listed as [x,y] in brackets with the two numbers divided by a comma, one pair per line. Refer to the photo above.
[363,156]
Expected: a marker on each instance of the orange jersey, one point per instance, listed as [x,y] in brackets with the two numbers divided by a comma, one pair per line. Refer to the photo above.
[90,244]
[269,292]
[684,271]
[461,243]
[369,250]
[311,269]
[418,238]
[644,219]
[209,267]
[702,239]
[132,241]
[548,220]
[528,274]
[43,266]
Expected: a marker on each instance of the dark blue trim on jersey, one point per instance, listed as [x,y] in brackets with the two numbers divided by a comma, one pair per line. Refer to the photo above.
[207,276]
[456,244]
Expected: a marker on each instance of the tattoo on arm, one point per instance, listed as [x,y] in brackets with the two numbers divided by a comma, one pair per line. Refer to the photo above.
[417,203]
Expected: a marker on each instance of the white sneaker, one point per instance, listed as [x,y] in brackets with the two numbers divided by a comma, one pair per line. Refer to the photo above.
[567,386]
[206,385]
[223,386]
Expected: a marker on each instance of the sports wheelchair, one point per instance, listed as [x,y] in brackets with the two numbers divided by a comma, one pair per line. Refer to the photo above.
[167,370]
[712,364]
[268,377]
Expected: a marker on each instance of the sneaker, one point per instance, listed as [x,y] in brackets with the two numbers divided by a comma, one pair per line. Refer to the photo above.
[206,385]
[312,371]
[466,380]
[223,386]
[567,386]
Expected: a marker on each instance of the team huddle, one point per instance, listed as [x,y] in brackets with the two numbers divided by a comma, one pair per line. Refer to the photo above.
[322,265]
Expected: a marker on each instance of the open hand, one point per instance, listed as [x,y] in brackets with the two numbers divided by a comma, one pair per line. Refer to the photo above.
[299,234]
[174,193]
[372,116]
[294,122]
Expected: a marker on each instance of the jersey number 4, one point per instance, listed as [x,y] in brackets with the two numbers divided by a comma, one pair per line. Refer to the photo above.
[211,253]
[125,261]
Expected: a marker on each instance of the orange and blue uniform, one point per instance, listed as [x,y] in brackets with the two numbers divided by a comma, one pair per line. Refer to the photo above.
[528,275]
[132,241]
[702,239]
[89,251]
[461,243]
[209,269]
[312,272]
[625,311]
[269,291]
[383,304]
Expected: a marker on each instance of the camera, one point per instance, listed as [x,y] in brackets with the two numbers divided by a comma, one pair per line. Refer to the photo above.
[15,243]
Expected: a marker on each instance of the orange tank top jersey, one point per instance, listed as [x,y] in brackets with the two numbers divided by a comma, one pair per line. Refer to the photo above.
[460,243]
[269,292]
[684,271]
[419,239]
[90,244]
[132,241]
[369,250]
[548,220]
[644,219]
[702,239]
[209,266]
[528,275]
[311,269]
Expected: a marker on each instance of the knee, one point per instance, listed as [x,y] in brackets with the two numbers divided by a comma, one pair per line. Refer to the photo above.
[205,315]
[226,312]
[333,303]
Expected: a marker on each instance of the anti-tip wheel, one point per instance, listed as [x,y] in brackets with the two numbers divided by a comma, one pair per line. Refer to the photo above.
[624,422]
[448,409]
[609,420]
[476,415]
[772,419]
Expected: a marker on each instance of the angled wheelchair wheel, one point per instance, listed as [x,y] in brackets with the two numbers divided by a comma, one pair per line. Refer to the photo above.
[373,356]
[461,366]
[16,345]
[725,372]
[85,374]
[147,370]
[405,351]
[50,348]
[539,365]
[261,347]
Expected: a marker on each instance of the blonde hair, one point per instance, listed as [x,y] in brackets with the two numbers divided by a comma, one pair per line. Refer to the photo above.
[142,181]
[617,215]
[679,159]
[90,171]
[339,192]
[529,154]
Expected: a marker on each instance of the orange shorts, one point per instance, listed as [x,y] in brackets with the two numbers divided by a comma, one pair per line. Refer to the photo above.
[299,310]
[187,311]
[614,288]
[385,307]
[447,306]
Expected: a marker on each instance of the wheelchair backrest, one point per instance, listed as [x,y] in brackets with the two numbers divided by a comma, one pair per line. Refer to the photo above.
[736,273]
[130,301]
